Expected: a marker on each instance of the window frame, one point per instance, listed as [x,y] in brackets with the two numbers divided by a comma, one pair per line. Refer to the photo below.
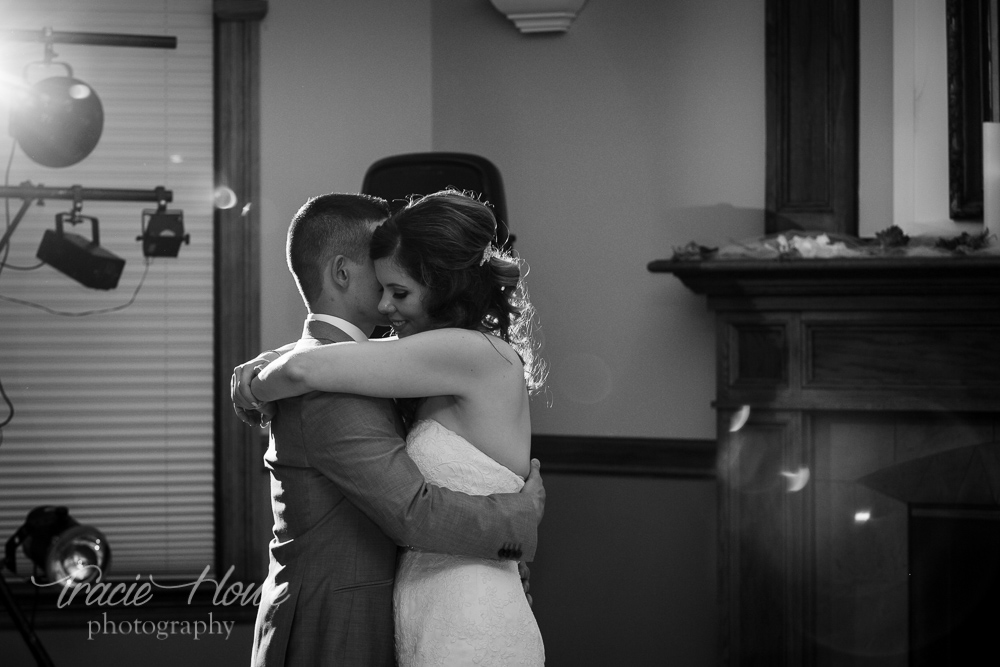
[243,512]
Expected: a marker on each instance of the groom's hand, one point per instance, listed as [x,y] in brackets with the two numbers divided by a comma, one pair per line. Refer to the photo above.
[522,569]
[533,487]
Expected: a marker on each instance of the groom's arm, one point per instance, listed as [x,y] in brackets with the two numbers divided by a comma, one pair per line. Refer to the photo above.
[352,440]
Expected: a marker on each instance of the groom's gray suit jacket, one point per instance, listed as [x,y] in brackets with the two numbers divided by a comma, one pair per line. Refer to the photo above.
[344,495]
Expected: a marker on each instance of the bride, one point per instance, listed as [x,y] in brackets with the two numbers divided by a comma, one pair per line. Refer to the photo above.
[464,365]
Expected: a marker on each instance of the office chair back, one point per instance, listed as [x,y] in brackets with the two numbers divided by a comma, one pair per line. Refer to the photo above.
[396,177]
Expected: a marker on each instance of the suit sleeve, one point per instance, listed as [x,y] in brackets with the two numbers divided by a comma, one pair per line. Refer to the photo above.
[352,440]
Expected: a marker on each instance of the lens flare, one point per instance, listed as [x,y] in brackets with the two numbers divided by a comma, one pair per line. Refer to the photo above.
[796,480]
[739,419]
[224,197]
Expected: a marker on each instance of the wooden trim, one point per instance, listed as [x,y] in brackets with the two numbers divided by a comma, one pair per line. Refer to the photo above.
[239,10]
[608,455]
[243,517]
[812,115]
[972,91]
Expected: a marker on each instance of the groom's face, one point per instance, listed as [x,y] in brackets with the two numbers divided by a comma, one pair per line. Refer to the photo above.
[365,294]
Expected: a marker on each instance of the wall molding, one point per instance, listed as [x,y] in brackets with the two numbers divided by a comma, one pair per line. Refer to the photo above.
[610,455]
[243,516]
[534,16]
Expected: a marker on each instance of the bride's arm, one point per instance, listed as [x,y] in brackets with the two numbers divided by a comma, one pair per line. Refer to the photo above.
[248,409]
[432,363]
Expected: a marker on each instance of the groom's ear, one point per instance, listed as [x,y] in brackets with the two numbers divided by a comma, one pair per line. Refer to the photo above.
[337,272]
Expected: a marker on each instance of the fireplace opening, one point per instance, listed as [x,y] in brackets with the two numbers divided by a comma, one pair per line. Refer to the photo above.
[954,585]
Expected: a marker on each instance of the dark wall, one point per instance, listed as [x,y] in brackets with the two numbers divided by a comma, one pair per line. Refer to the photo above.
[625,572]
[69,647]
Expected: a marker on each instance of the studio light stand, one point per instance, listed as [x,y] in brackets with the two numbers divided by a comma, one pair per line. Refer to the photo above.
[27,632]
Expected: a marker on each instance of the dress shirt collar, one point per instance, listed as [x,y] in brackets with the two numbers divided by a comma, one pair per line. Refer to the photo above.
[357,334]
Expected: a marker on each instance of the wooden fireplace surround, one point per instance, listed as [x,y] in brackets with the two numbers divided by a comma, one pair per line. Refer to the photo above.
[857,372]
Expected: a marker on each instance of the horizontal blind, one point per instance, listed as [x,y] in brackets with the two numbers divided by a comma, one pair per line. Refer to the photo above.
[113,411]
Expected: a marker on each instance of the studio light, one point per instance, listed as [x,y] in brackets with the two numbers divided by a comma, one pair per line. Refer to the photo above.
[80,258]
[162,232]
[60,547]
[64,550]
[58,121]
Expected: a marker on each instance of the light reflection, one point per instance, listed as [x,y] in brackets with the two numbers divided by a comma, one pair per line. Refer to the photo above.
[796,480]
[739,419]
[79,91]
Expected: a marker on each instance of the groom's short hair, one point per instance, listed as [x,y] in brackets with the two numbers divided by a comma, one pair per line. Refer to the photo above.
[329,225]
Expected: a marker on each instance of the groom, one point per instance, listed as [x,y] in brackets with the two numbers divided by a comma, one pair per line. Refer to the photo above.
[343,491]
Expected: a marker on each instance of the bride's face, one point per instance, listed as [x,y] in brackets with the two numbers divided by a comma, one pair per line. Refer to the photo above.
[402,299]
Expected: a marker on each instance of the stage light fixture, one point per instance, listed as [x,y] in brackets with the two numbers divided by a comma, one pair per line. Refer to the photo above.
[58,121]
[162,232]
[60,547]
[82,259]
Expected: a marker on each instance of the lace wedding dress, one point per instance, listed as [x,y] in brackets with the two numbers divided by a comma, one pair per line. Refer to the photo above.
[458,610]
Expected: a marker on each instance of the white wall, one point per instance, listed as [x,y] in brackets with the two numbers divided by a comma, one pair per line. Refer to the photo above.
[875,135]
[343,84]
[639,130]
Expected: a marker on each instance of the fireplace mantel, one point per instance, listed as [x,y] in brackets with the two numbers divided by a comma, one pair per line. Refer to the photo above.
[962,278]
[851,371]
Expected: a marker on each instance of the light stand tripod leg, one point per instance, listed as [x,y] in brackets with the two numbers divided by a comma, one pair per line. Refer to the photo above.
[30,638]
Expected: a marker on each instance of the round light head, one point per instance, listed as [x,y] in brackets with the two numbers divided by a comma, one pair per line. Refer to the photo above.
[58,122]
[60,547]
[78,555]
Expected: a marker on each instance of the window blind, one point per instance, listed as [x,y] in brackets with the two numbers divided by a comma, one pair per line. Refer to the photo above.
[113,411]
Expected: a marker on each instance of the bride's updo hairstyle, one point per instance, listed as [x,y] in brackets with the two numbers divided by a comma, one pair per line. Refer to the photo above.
[444,241]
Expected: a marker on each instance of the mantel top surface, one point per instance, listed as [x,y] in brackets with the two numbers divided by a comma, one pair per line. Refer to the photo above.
[872,276]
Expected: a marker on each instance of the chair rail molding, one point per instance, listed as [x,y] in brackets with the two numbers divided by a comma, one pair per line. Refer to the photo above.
[532,16]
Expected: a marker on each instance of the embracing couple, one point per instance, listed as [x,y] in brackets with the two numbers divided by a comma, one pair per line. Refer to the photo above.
[444,471]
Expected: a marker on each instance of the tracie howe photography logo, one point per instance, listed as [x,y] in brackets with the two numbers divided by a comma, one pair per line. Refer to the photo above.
[160,629]
[88,589]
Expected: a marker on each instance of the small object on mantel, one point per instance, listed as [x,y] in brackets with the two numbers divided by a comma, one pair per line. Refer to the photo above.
[892,237]
[694,251]
[966,243]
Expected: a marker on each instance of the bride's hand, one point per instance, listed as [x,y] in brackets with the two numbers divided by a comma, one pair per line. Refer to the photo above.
[246,405]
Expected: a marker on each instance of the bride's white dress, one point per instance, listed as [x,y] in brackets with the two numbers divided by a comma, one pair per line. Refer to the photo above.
[458,610]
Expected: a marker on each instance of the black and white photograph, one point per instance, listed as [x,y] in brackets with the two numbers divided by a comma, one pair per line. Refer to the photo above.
[412,333]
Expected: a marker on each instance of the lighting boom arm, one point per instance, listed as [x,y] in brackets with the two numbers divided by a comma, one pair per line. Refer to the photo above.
[49,36]
[30,193]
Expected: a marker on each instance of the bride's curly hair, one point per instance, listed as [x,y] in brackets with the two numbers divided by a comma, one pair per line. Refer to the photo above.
[444,241]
